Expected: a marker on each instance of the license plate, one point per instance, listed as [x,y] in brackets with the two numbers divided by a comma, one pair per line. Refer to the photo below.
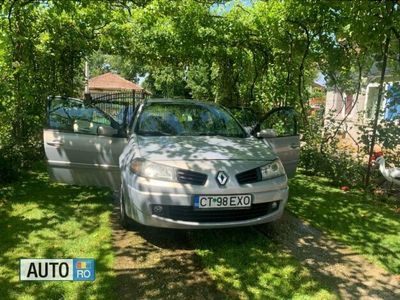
[222,201]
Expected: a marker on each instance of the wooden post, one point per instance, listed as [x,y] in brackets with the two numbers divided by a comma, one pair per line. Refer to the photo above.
[86,77]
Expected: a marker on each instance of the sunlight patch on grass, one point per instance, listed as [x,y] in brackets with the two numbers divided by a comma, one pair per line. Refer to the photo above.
[369,227]
[247,265]
[41,219]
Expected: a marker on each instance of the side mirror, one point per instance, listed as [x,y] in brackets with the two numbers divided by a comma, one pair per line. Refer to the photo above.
[267,133]
[248,129]
[106,130]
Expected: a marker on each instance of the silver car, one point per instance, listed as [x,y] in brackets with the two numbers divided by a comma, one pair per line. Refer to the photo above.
[179,163]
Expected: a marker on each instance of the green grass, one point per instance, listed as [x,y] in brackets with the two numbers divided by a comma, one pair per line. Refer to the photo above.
[43,219]
[246,265]
[370,227]
[40,219]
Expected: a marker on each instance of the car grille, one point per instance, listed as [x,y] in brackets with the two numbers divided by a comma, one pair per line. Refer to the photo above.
[253,175]
[186,176]
[188,213]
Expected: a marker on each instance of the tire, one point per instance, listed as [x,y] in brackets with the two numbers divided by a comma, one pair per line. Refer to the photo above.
[124,220]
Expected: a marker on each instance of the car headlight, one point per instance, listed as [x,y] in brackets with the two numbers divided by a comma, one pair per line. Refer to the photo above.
[272,170]
[148,169]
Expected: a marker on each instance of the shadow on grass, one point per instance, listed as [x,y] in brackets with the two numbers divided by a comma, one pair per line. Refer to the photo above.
[240,263]
[245,262]
[156,263]
[41,219]
[367,226]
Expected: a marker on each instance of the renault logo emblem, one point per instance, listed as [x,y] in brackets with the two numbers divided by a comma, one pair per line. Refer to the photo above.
[222,178]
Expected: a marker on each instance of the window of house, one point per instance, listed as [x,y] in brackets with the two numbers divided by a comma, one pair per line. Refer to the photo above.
[349,104]
[372,99]
[343,103]
[392,107]
[339,102]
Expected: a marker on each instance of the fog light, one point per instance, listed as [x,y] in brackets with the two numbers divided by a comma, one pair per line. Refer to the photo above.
[274,204]
[158,209]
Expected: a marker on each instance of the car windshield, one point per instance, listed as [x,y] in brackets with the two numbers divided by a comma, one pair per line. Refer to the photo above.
[187,119]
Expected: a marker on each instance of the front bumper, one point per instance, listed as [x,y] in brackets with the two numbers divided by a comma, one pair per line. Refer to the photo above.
[142,194]
[158,221]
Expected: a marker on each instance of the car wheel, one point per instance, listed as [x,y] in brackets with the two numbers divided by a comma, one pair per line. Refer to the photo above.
[124,220]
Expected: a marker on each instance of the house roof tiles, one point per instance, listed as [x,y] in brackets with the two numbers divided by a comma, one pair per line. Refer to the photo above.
[111,81]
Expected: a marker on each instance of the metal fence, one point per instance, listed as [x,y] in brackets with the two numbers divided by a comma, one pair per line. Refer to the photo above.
[120,105]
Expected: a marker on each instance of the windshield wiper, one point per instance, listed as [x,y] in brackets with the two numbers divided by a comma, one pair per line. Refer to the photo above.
[153,133]
[213,134]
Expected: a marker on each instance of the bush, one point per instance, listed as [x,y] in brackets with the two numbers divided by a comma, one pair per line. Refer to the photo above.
[11,163]
[14,158]
[342,167]
[323,154]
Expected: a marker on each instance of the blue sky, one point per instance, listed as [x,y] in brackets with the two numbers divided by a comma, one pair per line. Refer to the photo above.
[227,6]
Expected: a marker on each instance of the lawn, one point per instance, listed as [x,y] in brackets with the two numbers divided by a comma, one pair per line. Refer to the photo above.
[40,219]
[246,265]
[368,226]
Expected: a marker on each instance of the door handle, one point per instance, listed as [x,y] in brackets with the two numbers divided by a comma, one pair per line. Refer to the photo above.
[55,143]
[294,146]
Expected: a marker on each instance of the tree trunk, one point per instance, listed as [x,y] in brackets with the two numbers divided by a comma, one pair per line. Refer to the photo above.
[378,106]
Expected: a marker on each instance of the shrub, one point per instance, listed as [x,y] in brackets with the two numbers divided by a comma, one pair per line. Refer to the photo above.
[323,154]
[10,164]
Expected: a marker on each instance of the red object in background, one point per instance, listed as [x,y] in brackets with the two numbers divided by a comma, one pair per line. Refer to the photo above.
[372,159]
[375,155]
[345,188]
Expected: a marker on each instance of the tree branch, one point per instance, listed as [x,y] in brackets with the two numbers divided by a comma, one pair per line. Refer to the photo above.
[378,105]
[329,138]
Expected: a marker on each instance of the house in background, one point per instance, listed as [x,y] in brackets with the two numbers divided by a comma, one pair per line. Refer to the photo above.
[340,104]
[115,96]
[109,83]
[317,97]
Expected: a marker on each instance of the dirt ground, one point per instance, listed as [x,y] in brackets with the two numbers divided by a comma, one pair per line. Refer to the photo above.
[154,264]
[341,268]
[158,264]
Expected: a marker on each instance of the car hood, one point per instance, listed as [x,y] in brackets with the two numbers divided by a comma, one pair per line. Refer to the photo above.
[203,148]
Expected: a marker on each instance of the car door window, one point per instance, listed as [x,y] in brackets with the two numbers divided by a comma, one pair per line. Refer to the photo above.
[58,111]
[282,122]
[73,116]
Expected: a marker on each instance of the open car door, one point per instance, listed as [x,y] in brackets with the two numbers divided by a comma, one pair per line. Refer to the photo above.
[279,128]
[82,143]
[246,116]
